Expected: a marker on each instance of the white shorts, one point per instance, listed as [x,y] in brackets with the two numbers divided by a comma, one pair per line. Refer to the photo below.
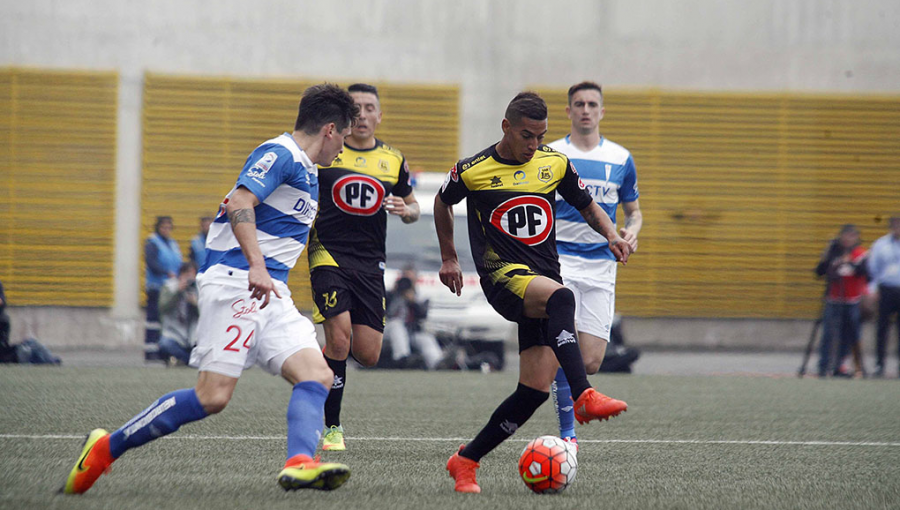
[233,334]
[594,284]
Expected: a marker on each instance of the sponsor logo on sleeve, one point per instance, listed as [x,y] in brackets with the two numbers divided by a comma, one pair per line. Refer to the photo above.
[446,182]
[259,169]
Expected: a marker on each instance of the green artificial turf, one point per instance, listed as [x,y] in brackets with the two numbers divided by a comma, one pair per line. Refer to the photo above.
[685,442]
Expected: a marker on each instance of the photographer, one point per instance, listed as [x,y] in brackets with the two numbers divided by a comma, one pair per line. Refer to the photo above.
[178,315]
[844,265]
[403,327]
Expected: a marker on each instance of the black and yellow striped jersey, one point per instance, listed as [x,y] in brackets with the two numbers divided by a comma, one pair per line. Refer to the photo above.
[512,206]
[351,226]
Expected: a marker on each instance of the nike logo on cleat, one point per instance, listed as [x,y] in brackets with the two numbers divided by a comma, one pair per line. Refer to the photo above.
[81,468]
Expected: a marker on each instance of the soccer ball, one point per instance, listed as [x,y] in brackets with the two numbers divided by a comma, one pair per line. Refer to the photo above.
[548,465]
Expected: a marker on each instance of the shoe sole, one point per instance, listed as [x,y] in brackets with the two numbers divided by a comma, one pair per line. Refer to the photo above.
[327,480]
[334,448]
[84,451]
[582,420]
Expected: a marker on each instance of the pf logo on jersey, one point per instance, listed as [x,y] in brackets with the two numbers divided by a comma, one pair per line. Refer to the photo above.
[359,195]
[528,219]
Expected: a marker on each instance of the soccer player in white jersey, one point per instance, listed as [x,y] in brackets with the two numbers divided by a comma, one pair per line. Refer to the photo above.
[587,265]
[247,316]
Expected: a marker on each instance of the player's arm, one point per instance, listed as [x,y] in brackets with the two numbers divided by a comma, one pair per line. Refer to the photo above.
[407,207]
[597,218]
[241,214]
[634,220]
[451,272]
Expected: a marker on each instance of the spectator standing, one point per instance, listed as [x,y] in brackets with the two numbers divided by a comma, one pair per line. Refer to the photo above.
[7,352]
[884,268]
[198,243]
[844,265]
[162,257]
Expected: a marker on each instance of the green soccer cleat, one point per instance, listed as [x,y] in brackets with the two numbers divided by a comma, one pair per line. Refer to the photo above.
[303,472]
[333,440]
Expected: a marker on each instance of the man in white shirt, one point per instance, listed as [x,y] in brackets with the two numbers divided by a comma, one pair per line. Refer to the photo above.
[587,265]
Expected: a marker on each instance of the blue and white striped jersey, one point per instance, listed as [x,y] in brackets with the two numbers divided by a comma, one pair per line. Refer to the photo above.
[609,176]
[286,183]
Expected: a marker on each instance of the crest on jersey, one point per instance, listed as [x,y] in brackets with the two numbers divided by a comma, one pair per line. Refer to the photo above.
[360,161]
[262,166]
[528,219]
[383,165]
[359,195]
[545,173]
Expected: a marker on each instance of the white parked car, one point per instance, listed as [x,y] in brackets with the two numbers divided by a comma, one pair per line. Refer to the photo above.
[464,318]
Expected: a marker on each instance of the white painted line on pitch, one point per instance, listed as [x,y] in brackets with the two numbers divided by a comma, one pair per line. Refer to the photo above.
[446,439]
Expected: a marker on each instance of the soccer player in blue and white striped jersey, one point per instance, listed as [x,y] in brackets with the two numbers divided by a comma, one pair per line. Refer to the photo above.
[247,315]
[587,265]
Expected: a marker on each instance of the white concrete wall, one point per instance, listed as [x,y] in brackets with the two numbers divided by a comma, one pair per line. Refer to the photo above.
[492,48]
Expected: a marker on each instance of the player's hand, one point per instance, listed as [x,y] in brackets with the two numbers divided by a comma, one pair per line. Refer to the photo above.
[620,248]
[261,284]
[451,276]
[396,206]
[629,238]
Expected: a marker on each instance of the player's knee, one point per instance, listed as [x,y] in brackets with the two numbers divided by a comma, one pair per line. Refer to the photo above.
[561,301]
[368,358]
[592,365]
[323,375]
[214,402]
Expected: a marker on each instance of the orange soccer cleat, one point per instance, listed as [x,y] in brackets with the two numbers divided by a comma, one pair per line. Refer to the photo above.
[95,460]
[593,405]
[304,472]
[463,471]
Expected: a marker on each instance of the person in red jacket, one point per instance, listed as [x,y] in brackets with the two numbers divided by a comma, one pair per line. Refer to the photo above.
[844,265]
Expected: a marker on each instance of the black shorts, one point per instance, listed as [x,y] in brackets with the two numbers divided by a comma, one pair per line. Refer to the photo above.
[338,290]
[504,289]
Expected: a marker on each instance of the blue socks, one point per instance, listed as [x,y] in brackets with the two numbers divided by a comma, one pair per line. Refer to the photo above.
[163,417]
[304,418]
[562,400]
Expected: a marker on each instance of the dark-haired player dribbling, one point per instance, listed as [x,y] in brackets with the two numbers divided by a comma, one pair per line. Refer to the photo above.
[510,189]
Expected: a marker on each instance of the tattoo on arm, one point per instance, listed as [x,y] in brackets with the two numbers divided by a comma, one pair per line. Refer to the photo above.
[241,216]
[629,222]
[594,221]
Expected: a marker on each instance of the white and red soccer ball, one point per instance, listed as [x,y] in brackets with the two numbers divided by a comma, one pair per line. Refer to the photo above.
[548,465]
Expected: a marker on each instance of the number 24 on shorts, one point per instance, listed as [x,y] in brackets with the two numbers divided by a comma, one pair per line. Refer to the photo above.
[237,336]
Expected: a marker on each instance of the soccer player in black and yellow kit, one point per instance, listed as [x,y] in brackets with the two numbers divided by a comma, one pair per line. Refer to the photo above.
[511,189]
[346,248]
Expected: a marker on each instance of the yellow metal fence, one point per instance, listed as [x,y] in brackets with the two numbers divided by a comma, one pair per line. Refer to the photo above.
[57,185]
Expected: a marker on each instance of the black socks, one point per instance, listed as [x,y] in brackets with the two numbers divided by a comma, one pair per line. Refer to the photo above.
[509,416]
[562,339]
[336,395]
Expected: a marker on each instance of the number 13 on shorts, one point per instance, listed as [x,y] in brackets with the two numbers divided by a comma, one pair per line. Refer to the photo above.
[235,345]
